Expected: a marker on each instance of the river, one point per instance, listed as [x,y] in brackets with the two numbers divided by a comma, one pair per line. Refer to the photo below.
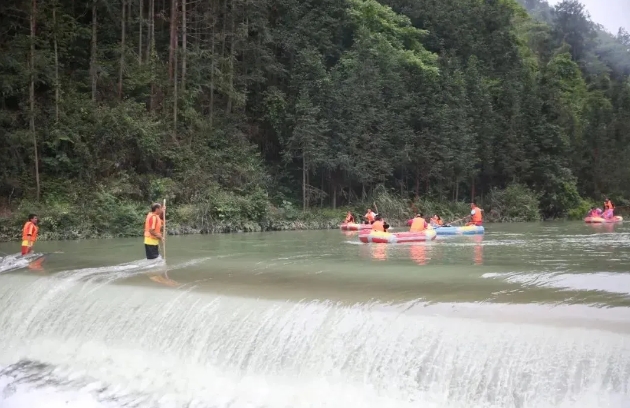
[529,315]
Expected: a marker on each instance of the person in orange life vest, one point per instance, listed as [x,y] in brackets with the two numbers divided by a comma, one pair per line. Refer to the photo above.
[153,231]
[436,220]
[608,205]
[349,218]
[476,218]
[379,225]
[369,216]
[419,224]
[29,234]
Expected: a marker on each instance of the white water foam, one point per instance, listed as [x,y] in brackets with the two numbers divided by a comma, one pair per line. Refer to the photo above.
[139,347]
[17,261]
[597,281]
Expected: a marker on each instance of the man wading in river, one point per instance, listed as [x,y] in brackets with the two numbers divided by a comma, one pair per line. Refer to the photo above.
[153,231]
[29,234]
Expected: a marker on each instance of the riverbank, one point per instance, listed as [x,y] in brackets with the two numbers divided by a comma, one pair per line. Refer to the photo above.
[128,220]
[107,216]
[125,219]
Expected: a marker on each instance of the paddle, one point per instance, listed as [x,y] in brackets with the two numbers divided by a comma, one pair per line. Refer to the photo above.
[458,220]
[164,235]
[387,227]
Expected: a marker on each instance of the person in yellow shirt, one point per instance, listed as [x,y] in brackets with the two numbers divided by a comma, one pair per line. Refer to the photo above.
[153,231]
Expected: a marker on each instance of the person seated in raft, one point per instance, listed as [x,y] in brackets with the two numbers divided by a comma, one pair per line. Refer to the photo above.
[349,218]
[476,217]
[591,212]
[436,221]
[379,225]
[369,216]
[608,205]
[419,224]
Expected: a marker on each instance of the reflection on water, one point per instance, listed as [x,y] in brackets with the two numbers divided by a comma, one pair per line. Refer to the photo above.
[379,251]
[418,253]
[478,249]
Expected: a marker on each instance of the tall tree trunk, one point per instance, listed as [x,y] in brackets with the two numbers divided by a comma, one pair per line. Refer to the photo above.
[417,182]
[56,49]
[184,44]
[150,28]
[150,51]
[212,66]
[173,67]
[123,27]
[32,95]
[93,52]
[141,26]
[175,96]
[304,202]
[172,49]
[228,107]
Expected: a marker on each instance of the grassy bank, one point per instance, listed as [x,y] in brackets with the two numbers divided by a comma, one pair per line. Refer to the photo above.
[126,219]
[105,216]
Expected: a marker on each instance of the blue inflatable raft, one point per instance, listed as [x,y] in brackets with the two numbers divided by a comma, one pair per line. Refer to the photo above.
[464,230]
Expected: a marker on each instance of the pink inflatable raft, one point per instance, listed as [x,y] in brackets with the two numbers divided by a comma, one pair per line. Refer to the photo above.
[352,226]
[378,237]
[600,220]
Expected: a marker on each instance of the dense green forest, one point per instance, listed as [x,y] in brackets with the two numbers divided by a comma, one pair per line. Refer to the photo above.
[241,109]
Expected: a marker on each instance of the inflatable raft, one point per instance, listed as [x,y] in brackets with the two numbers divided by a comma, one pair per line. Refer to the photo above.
[353,226]
[600,220]
[463,230]
[378,237]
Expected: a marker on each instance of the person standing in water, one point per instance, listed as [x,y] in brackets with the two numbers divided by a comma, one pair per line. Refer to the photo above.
[29,234]
[153,231]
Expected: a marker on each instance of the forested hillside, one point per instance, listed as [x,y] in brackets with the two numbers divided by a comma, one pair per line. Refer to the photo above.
[233,105]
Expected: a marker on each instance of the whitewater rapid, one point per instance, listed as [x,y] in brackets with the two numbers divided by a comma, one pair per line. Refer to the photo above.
[83,338]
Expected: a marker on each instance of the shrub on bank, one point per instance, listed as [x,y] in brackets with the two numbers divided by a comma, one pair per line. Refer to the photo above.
[580,211]
[516,203]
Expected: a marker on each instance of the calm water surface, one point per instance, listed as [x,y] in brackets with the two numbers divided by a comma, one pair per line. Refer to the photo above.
[529,315]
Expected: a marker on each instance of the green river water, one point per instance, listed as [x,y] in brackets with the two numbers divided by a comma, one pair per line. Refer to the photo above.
[527,315]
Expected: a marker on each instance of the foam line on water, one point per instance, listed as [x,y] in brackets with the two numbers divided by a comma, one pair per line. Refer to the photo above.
[597,281]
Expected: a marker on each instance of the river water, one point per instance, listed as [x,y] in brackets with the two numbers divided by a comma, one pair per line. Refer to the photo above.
[529,315]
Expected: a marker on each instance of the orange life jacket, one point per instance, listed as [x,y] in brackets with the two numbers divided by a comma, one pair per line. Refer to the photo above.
[418,225]
[378,226]
[477,217]
[437,221]
[153,222]
[369,216]
[29,232]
